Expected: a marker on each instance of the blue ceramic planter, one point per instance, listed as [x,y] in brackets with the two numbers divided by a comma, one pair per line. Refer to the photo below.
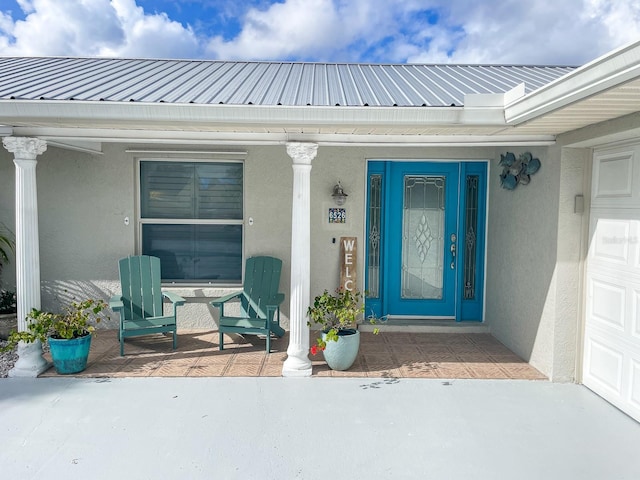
[340,355]
[70,356]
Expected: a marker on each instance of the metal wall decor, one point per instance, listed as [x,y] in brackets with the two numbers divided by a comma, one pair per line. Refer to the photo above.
[517,171]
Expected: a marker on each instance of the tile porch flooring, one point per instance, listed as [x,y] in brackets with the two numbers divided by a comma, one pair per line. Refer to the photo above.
[388,355]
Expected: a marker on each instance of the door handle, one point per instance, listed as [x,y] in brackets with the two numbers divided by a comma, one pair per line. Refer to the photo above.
[452,249]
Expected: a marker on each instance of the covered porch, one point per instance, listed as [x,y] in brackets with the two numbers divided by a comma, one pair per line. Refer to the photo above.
[389,355]
[90,150]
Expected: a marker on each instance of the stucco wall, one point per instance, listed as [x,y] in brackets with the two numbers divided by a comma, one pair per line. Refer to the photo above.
[575,179]
[330,166]
[534,261]
[521,252]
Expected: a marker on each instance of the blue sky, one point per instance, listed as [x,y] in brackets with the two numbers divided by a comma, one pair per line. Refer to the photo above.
[569,32]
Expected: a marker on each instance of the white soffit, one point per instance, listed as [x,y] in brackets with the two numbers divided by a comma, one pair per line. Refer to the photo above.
[614,103]
[253,137]
[607,88]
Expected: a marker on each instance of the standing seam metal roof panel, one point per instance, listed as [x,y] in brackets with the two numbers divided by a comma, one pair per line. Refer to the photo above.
[411,92]
[206,93]
[260,83]
[351,93]
[430,96]
[362,85]
[445,90]
[186,84]
[335,86]
[284,95]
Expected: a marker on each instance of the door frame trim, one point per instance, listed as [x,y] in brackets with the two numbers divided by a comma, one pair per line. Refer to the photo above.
[484,249]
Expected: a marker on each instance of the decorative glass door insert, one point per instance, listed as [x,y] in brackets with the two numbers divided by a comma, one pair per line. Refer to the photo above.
[423,236]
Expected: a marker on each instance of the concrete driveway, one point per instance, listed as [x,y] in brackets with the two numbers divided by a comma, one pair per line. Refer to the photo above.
[311,428]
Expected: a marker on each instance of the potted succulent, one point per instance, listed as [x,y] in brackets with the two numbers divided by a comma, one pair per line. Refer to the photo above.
[68,334]
[337,315]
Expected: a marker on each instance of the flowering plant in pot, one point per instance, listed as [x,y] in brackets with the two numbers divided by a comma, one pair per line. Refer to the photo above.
[337,315]
[68,333]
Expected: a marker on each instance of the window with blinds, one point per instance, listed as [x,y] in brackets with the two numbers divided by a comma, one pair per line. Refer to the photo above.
[191,216]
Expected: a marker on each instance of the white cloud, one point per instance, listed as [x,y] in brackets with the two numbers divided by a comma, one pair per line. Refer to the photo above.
[26,5]
[6,24]
[488,31]
[540,32]
[293,28]
[64,27]
[146,33]
[496,31]
[620,18]
[93,27]
[331,30]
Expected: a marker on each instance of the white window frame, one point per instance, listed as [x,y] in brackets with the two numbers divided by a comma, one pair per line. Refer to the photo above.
[158,221]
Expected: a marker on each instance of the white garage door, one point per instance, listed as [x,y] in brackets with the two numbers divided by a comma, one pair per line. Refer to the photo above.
[611,364]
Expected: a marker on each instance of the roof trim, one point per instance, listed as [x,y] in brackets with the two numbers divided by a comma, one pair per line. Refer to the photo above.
[608,71]
[176,116]
[146,136]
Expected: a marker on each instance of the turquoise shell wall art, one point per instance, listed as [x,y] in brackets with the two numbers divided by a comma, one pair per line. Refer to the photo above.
[517,171]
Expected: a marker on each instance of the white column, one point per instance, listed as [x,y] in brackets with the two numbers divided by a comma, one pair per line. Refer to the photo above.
[297,363]
[30,361]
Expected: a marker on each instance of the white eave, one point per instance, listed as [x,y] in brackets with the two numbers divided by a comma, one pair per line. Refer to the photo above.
[606,88]
[180,116]
[481,123]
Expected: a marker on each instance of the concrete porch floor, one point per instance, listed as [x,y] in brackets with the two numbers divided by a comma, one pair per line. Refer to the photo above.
[388,355]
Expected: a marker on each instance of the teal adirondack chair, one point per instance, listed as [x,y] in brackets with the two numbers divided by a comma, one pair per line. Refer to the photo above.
[140,305]
[259,302]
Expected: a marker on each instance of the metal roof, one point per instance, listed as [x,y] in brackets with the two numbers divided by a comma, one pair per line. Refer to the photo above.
[261,83]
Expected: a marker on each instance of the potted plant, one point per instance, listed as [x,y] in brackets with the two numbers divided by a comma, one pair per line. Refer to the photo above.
[68,333]
[337,314]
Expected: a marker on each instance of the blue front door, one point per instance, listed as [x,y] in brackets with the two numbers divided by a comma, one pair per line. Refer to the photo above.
[425,249]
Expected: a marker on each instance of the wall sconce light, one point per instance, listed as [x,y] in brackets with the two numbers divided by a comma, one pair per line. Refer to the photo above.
[338,195]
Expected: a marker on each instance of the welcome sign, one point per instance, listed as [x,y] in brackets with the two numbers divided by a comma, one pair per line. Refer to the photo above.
[348,263]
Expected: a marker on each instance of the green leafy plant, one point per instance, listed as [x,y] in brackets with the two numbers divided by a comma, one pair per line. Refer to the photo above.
[336,313]
[7,301]
[7,245]
[75,321]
